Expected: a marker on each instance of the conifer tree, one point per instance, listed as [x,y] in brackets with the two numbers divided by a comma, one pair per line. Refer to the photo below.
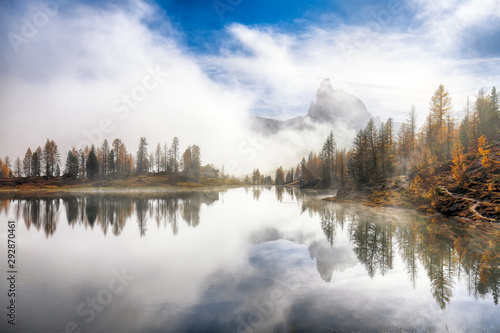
[92,165]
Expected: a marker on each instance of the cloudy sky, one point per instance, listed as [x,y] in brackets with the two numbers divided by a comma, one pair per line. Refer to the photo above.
[81,71]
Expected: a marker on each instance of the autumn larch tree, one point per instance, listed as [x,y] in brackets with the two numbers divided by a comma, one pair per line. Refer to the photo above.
[83,155]
[494,111]
[191,162]
[164,159]
[4,171]
[18,167]
[440,107]
[484,152]
[465,134]
[328,159]
[458,166]
[487,113]
[371,137]
[158,157]
[27,163]
[342,167]
[290,176]
[71,169]
[412,128]
[112,162]
[104,154]
[195,161]
[51,157]
[36,161]
[8,165]
[174,155]
[47,152]
[142,163]
[256,177]
[280,176]
[118,154]
[151,162]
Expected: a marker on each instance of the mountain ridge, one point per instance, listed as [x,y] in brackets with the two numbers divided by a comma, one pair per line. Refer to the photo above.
[332,106]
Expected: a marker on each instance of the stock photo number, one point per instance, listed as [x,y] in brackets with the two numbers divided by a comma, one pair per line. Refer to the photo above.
[11,272]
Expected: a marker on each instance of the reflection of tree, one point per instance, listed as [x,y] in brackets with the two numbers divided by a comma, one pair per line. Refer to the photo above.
[31,213]
[279,193]
[49,216]
[407,240]
[91,209]
[172,208]
[328,223]
[437,257]
[141,209]
[441,247]
[111,212]
[191,210]
[373,245]
[480,259]
[71,206]
[441,275]
[41,212]
[256,191]
[4,204]
[340,216]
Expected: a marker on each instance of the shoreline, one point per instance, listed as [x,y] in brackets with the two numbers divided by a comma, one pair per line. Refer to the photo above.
[432,200]
[16,188]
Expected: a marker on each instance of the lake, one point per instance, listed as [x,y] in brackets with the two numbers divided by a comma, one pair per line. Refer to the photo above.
[244,260]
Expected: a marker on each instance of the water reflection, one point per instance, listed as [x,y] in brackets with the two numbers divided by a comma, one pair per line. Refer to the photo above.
[111,212]
[447,250]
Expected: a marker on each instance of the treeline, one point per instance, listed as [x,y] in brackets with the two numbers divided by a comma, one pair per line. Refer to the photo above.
[104,161]
[378,152]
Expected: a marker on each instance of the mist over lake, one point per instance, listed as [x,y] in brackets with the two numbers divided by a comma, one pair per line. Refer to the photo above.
[257,259]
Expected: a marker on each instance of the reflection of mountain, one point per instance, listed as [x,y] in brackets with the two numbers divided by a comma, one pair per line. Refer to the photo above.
[112,211]
[329,256]
[330,259]
[331,107]
[443,249]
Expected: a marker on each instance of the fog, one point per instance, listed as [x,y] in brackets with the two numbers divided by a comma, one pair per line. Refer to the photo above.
[78,74]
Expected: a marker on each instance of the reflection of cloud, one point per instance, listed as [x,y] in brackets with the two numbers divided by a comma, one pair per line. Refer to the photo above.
[250,262]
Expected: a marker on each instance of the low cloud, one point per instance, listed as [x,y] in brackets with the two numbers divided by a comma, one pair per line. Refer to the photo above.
[67,81]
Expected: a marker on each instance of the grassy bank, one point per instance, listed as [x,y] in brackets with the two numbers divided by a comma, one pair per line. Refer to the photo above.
[143,182]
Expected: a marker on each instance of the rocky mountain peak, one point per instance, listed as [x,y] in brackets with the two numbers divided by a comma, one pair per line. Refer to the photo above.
[325,89]
[338,106]
[332,106]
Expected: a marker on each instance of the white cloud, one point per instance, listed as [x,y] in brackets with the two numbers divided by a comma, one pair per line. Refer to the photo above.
[76,73]
[66,79]
[389,69]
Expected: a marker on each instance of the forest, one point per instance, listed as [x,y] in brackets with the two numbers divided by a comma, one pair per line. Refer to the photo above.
[378,152]
[105,161]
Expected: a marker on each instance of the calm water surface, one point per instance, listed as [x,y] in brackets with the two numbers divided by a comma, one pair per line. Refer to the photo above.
[245,260]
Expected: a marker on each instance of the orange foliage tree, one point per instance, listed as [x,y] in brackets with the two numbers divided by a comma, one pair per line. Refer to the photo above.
[458,165]
[486,161]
